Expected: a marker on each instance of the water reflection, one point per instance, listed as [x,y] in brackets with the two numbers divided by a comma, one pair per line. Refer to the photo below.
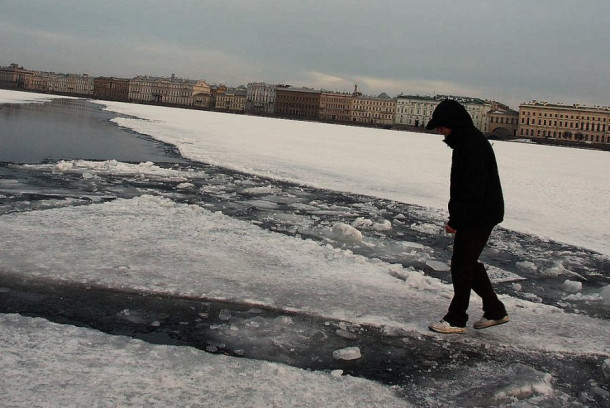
[72,129]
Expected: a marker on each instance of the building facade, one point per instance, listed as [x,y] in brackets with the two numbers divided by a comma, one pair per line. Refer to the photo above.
[415,110]
[144,89]
[535,120]
[114,89]
[502,122]
[478,110]
[297,102]
[203,101]
[14,77]
[573,123]
[202,94]
[39,82]
[167,91]
[260,98]
[371,110]
[232,100]
[69,84]
[335,107]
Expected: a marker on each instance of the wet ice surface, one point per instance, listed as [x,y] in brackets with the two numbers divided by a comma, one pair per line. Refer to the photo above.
[425,369]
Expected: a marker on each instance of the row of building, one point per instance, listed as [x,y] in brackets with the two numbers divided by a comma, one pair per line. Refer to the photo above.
[257,98]
[534,120]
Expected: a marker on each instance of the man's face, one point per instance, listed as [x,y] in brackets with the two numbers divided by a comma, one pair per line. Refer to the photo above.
[445,131]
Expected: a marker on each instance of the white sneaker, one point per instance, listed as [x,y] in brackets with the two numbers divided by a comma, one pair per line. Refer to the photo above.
[484,323]
[446,328]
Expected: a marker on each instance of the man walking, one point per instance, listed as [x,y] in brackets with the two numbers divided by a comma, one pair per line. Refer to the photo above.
[476,205]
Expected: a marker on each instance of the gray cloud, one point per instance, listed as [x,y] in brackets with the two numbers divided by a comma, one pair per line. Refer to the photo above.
[511,51]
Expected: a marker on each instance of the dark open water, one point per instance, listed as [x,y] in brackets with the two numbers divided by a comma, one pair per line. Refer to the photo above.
[72,129]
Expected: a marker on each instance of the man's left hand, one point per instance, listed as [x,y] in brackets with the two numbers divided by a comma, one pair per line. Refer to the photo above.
[449,229]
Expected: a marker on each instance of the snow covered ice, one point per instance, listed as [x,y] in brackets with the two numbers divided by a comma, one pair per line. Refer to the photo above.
[339,275]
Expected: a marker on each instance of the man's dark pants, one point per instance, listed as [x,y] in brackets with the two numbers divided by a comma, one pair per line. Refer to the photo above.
[467,274]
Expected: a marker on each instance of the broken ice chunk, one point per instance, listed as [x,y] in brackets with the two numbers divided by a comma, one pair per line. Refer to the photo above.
[571,286]
[348,353]
[346,233]
[438,266]
[224,314]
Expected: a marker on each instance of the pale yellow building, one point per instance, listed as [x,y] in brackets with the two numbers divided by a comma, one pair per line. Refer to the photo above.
[502,121]
[575,123]
[371,110]
[169,91]
[231,100]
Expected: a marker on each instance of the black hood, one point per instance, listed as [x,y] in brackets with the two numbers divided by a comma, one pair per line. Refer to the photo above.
[450,114]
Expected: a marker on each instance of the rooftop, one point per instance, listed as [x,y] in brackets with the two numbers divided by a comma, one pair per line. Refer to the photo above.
[543,104]
[437,98]
[295,89]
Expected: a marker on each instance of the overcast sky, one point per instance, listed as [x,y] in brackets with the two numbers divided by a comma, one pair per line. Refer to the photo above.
[512,51]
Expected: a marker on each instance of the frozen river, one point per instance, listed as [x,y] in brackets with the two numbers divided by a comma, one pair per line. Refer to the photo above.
[112,167]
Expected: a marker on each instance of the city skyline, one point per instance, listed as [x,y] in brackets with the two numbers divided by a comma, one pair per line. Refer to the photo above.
[511,52]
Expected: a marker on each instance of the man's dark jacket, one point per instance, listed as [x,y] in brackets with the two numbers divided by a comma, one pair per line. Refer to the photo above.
[476,198]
